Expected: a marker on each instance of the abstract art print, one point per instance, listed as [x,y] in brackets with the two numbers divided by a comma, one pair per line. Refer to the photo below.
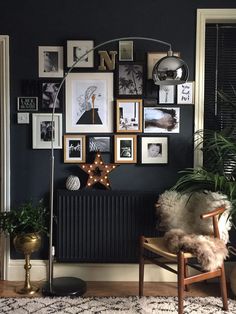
[130,79]
[89,99]
[50,61]
[76,49]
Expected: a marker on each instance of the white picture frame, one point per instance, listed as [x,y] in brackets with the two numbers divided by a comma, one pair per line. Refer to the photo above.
[126,50]
[89,102]
[185,93]
[154,150]
[125,149]
[75,50]
[42,130]
[50,61]
[161,120]
[166,94]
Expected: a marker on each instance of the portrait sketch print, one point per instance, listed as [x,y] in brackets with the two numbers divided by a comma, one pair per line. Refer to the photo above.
[50,61]
[74,148]
[89,102]
[154,150]
[129,115]
[130,79]
[161,120]
[76,49]
[125,148]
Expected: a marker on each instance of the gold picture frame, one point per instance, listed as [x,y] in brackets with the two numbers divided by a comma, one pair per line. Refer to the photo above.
[74,148]
[125,149]
[129,115]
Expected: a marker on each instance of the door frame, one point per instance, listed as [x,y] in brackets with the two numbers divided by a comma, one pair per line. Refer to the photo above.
[204,16]
[5,142]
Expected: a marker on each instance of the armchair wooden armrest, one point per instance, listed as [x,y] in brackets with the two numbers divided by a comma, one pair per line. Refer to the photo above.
[214,212]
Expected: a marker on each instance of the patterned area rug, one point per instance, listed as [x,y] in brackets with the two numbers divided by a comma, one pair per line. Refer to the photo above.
[110,305]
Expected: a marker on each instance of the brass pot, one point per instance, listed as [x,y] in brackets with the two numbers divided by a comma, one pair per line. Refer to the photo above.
[27,244]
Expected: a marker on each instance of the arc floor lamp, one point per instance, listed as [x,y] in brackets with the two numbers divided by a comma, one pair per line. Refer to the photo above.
[170,70]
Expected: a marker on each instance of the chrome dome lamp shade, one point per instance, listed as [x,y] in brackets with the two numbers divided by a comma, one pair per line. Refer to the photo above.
[170,70]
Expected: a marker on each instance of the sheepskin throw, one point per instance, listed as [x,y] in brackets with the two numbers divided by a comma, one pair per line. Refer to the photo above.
[179,216]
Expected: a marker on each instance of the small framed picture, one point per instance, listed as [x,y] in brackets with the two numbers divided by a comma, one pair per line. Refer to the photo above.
[74,148]
[100,144]
[49,91]
[76,49]
[44,129]
[153,58]
[27,103]
[50,61]
[129,115]
[166,94]
[130,79]
[161,120]
[126,50]
[125,148]
[185,93]
[154,150]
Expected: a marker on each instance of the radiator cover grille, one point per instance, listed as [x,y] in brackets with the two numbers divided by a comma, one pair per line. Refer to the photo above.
[103,226]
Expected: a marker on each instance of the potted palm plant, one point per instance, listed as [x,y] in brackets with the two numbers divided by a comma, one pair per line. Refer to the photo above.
[25,224]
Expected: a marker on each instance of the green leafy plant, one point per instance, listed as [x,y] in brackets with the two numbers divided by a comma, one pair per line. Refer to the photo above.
[28,218]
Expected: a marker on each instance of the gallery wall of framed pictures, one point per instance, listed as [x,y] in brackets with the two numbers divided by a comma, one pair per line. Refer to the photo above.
[108,111]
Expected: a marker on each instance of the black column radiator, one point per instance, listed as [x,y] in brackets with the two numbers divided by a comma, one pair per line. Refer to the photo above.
[102,226]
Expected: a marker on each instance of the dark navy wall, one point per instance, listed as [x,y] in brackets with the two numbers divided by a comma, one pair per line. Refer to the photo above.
[33,23]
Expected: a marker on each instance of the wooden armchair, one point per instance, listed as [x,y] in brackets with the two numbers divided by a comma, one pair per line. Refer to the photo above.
[183,259]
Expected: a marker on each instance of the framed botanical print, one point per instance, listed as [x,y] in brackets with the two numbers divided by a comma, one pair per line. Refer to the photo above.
[185,93]
[76,49]
[125,148]
[154,150]
[74,148]
[161,120]
[50,61]
[126,50]
[129,115]
[44,129]
[130,79]
[89,103]
[100,144]
[166,94]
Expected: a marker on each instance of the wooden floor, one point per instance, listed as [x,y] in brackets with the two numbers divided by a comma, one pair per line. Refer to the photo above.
[7,289]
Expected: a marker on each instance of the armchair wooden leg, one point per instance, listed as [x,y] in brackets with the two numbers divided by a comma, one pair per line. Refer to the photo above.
[181,268]
[141,267]
[223,288]
[186,287]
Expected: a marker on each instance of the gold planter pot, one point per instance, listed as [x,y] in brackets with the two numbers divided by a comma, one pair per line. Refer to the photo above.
[27,244]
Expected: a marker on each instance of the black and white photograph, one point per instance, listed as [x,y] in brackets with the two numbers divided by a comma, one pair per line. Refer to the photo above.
[100,144]
[154,150]
[161,120]
[74,148]
[166,94]
[129,115]
[44,130]
[89,99]
[126,50]
[27,103]
[130,79]
[76,49]
[50,61]
[49,92]
[125,148]
[185,93]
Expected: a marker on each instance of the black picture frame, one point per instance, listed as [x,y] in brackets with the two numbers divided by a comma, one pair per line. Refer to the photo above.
[48,89]
[99,143]
[27,103]
[130,79]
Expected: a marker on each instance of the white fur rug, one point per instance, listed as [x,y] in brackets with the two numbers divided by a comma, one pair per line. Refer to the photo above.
[110,305]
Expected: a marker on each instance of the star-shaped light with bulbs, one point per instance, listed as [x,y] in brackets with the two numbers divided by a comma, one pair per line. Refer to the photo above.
[98,172]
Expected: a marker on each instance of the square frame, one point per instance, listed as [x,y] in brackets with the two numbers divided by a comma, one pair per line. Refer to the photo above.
[126,50]
[48,89]
[75,49]
[153,57]
[129,114]
[185,93]
[74,148]
[100,144]
[94,91]
[125,145]
[154,150]
[130,79]
[50,61]
[27,103]
[41,136]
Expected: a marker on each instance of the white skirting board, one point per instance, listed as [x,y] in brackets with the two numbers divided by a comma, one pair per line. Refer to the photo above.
[94,272]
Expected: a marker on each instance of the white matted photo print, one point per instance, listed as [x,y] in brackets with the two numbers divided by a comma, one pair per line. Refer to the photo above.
[166,94]
[154,150]
[125,149]
[89,103]
[43,130]
[161,120]
[74,148]
[76,49]
[50,61]
[185,93]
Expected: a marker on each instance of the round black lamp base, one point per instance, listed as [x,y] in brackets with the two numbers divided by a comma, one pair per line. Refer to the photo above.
[64,286]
